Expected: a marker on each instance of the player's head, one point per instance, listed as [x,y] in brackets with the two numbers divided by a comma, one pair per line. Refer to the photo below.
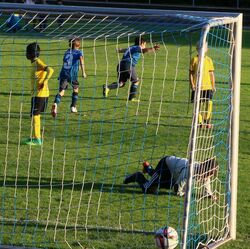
[74,43]
[32,51]
[198,46]
[139,41]
[207,168]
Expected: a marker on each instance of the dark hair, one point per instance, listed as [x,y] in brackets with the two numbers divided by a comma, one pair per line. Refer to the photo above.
[139,40]
[32,51]
[73,42]
[208,168]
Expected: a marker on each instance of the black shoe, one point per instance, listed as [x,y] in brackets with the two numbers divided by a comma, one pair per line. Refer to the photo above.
[131,178]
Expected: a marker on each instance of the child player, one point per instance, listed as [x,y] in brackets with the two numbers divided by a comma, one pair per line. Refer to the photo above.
[171,172]
[207,86]
[40,74]
[126,68]
[73,57]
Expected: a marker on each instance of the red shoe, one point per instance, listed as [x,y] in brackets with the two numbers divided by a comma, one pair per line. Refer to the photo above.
[209,126]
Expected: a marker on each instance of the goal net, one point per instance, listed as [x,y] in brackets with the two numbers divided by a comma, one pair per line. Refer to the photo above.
[69,191]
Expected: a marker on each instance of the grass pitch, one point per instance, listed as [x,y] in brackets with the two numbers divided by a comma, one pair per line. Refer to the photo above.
[70,190]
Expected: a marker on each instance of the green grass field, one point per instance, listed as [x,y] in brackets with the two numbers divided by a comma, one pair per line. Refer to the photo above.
[70,190]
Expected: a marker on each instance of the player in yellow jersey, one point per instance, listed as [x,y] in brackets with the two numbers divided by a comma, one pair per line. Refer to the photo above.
[207,87]
[40,74]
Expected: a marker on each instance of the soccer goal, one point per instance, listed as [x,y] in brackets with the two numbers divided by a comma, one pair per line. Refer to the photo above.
[69,191]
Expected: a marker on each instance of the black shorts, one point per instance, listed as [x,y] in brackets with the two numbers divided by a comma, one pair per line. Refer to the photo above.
[126,72]
[63,84]
[38,105]
[205,95]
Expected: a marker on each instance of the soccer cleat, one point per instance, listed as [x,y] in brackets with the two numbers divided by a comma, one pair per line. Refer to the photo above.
[202,126]
[134,100]
[130,178]
[33,141]
[105,91]
[209,126]
[54,110]
[73,109]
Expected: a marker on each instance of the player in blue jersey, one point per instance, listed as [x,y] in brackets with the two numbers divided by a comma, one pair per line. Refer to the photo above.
[126,68]
[73,58]
[171,172]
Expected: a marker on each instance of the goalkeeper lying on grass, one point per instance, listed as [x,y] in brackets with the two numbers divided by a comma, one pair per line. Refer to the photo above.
[171,172]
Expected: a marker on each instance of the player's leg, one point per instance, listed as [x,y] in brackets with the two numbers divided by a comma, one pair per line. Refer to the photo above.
[209,108]
[165,176]
[134,85]
[136,177]
[74,97]
[38,105]
[63,85]
[123,74]
[202,109]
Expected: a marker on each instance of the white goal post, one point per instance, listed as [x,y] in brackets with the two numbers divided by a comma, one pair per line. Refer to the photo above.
[70,191]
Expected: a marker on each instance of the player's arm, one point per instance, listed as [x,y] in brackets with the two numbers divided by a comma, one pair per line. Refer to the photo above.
[152,49]
[180,185]
[82,66]
[192,74]
[121,50]
[49,72]
[191,79]
[211,74]
[212,78]
[208,191]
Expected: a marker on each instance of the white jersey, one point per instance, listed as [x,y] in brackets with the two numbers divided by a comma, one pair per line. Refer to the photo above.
[178,168]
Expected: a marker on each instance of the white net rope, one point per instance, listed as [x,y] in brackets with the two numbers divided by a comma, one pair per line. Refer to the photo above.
[69,192]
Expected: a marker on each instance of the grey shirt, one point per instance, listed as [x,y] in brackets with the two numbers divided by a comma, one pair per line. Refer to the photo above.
[179,171]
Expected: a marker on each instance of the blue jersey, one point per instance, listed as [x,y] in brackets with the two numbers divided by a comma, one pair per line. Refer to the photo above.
[70,68]
[132,55]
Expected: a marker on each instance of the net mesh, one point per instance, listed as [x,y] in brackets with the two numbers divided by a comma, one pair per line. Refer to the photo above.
[69,192]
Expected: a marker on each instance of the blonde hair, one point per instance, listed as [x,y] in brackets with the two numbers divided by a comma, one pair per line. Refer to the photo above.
[74,42]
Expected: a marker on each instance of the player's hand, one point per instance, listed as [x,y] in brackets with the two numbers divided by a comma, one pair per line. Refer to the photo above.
[84,75]
[157,47]
[214,198]
[40,86]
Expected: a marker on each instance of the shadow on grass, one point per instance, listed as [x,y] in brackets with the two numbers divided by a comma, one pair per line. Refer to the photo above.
[44,183]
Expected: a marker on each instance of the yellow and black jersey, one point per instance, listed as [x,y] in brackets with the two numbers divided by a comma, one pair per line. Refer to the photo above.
[37,76]
[207,68]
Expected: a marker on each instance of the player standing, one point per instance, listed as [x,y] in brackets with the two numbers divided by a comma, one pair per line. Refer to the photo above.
[126,68]
[40,74]
[207,87]
[73,58]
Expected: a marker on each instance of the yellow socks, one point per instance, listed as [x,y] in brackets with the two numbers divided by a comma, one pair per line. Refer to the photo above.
[37,125]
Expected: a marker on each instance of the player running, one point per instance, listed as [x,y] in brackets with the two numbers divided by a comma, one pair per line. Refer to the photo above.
[126,68]
[73,58]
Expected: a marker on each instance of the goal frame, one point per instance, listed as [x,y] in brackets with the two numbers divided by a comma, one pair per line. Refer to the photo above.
[234,136]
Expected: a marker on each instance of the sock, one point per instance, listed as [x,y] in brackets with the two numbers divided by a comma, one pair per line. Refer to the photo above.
[133,91]
[209,110]
[57,99]
[202,112]
[200,119]
[36,124]
[74,99]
